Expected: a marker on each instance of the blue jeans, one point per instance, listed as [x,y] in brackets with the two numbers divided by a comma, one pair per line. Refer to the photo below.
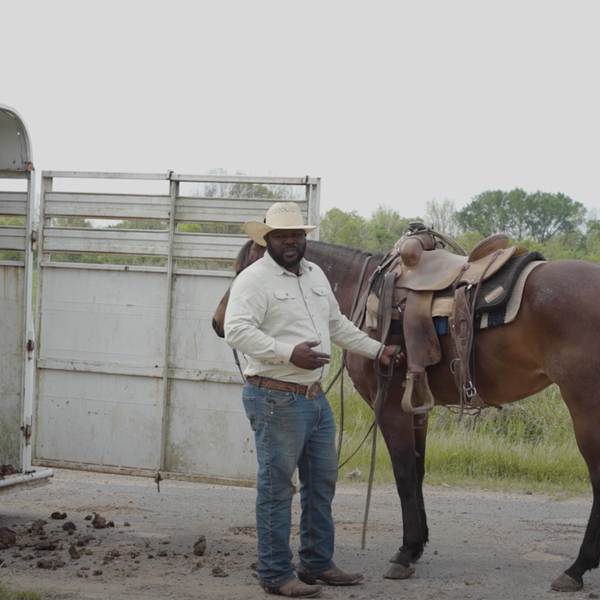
[290,430]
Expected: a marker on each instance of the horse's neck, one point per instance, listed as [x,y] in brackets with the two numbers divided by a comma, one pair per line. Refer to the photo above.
[343,267]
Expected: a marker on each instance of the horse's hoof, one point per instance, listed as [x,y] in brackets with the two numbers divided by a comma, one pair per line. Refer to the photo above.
[399,572]
[565,583]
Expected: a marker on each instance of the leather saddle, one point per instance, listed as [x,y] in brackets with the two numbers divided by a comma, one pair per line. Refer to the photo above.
[417,268]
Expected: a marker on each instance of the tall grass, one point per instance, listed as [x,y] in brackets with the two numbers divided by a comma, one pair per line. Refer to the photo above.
[527,445]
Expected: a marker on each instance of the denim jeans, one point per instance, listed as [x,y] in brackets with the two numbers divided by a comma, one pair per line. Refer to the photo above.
[290,430]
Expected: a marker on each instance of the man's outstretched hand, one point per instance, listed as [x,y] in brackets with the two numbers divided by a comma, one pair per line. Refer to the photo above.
[388,352]
[305,357]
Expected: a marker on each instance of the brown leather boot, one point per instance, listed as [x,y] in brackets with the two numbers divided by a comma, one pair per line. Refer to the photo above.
[335,576]
[294,589]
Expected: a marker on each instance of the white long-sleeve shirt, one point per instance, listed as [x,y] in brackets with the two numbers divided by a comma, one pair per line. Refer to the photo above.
[271,310]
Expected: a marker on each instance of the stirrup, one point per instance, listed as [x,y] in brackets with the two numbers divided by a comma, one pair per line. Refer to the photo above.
[419,389]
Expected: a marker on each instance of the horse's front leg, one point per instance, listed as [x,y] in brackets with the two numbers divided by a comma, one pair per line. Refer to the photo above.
[406,445]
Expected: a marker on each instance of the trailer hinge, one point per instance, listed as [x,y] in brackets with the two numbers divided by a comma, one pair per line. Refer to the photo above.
[30,344]
[26,429]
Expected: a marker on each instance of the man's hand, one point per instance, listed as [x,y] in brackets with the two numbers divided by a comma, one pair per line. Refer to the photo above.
[305,357]
[386,356]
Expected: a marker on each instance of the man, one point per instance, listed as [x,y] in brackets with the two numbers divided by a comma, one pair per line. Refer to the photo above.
[282,315]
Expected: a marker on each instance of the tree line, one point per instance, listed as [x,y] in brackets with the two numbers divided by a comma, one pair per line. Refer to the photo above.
[551,223]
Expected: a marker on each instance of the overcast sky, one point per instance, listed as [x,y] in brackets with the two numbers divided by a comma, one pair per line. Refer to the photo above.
[389,103]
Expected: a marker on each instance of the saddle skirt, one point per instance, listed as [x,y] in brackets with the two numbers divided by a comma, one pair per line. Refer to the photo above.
[431,283]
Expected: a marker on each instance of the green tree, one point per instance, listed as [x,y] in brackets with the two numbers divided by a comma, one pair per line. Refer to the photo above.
[246,190]
[140,224]
[384,229]
[12,221]
[487,213]
[547,215]
[538,216]
[442,217]
[346,229]
[469,239]
[592,240]
[70,222]
[236,190]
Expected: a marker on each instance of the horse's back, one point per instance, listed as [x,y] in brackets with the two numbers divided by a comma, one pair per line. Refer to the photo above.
[557,331]
[555,338]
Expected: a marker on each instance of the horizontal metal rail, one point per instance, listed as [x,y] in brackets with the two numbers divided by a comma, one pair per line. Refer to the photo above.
[13,204]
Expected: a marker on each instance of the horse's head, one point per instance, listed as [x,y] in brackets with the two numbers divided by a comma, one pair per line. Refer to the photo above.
[249,253]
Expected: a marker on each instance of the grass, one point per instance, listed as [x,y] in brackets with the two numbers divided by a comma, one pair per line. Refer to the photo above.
[527,445]
[10,591]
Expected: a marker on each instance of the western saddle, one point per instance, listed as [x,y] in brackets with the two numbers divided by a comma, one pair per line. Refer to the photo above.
[405,289]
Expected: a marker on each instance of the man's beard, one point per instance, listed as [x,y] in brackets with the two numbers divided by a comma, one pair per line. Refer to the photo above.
[280,259]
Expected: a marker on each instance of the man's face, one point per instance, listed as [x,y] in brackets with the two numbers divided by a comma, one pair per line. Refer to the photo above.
[286,247]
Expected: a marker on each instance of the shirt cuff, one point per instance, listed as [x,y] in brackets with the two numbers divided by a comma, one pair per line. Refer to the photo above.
[284,353]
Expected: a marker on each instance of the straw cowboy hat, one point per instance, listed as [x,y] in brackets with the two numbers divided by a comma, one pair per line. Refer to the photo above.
[282,215]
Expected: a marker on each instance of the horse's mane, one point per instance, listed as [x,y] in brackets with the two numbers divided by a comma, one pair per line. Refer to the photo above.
[242,257]
[346,249]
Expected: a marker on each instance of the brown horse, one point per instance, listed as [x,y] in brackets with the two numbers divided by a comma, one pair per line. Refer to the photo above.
[555,338]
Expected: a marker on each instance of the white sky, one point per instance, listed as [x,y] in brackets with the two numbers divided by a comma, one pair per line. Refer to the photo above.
[389,102]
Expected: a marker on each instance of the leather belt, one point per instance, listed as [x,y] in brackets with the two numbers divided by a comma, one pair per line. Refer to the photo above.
[311,391]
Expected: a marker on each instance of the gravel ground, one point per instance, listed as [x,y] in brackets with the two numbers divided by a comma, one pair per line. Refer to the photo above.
[484,545]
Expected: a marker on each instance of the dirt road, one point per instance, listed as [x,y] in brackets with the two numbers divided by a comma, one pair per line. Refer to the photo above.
[484,545]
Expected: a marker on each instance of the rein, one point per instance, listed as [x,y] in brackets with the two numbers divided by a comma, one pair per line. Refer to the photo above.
[383,385]
[383,381]
[353,309]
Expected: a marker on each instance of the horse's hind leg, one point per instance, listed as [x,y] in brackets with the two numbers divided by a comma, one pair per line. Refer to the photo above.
[586,421]
[406,445]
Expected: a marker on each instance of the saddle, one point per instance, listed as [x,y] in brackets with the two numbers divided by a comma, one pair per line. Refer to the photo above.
[420,280]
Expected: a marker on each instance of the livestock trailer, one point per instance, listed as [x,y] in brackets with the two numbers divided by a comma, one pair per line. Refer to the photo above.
[17,337]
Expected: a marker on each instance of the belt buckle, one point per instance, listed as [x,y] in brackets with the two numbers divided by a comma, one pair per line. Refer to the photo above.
[313,391]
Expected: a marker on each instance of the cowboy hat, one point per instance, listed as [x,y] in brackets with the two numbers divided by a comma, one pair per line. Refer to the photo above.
[282,215]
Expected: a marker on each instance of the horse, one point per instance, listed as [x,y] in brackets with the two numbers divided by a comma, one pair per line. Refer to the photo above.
[554,339]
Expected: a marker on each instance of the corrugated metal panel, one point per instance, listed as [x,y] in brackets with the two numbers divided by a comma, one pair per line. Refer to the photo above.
[131,377]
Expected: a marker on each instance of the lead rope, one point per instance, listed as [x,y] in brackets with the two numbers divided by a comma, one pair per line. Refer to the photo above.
[384,318]
[355,301]
[384,384]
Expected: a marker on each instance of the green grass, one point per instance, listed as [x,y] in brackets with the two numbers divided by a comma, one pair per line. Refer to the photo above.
[528,445]
[8,591]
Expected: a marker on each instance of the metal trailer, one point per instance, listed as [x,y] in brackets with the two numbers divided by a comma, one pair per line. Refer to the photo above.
[17,340]
[122,372]
[130,376]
